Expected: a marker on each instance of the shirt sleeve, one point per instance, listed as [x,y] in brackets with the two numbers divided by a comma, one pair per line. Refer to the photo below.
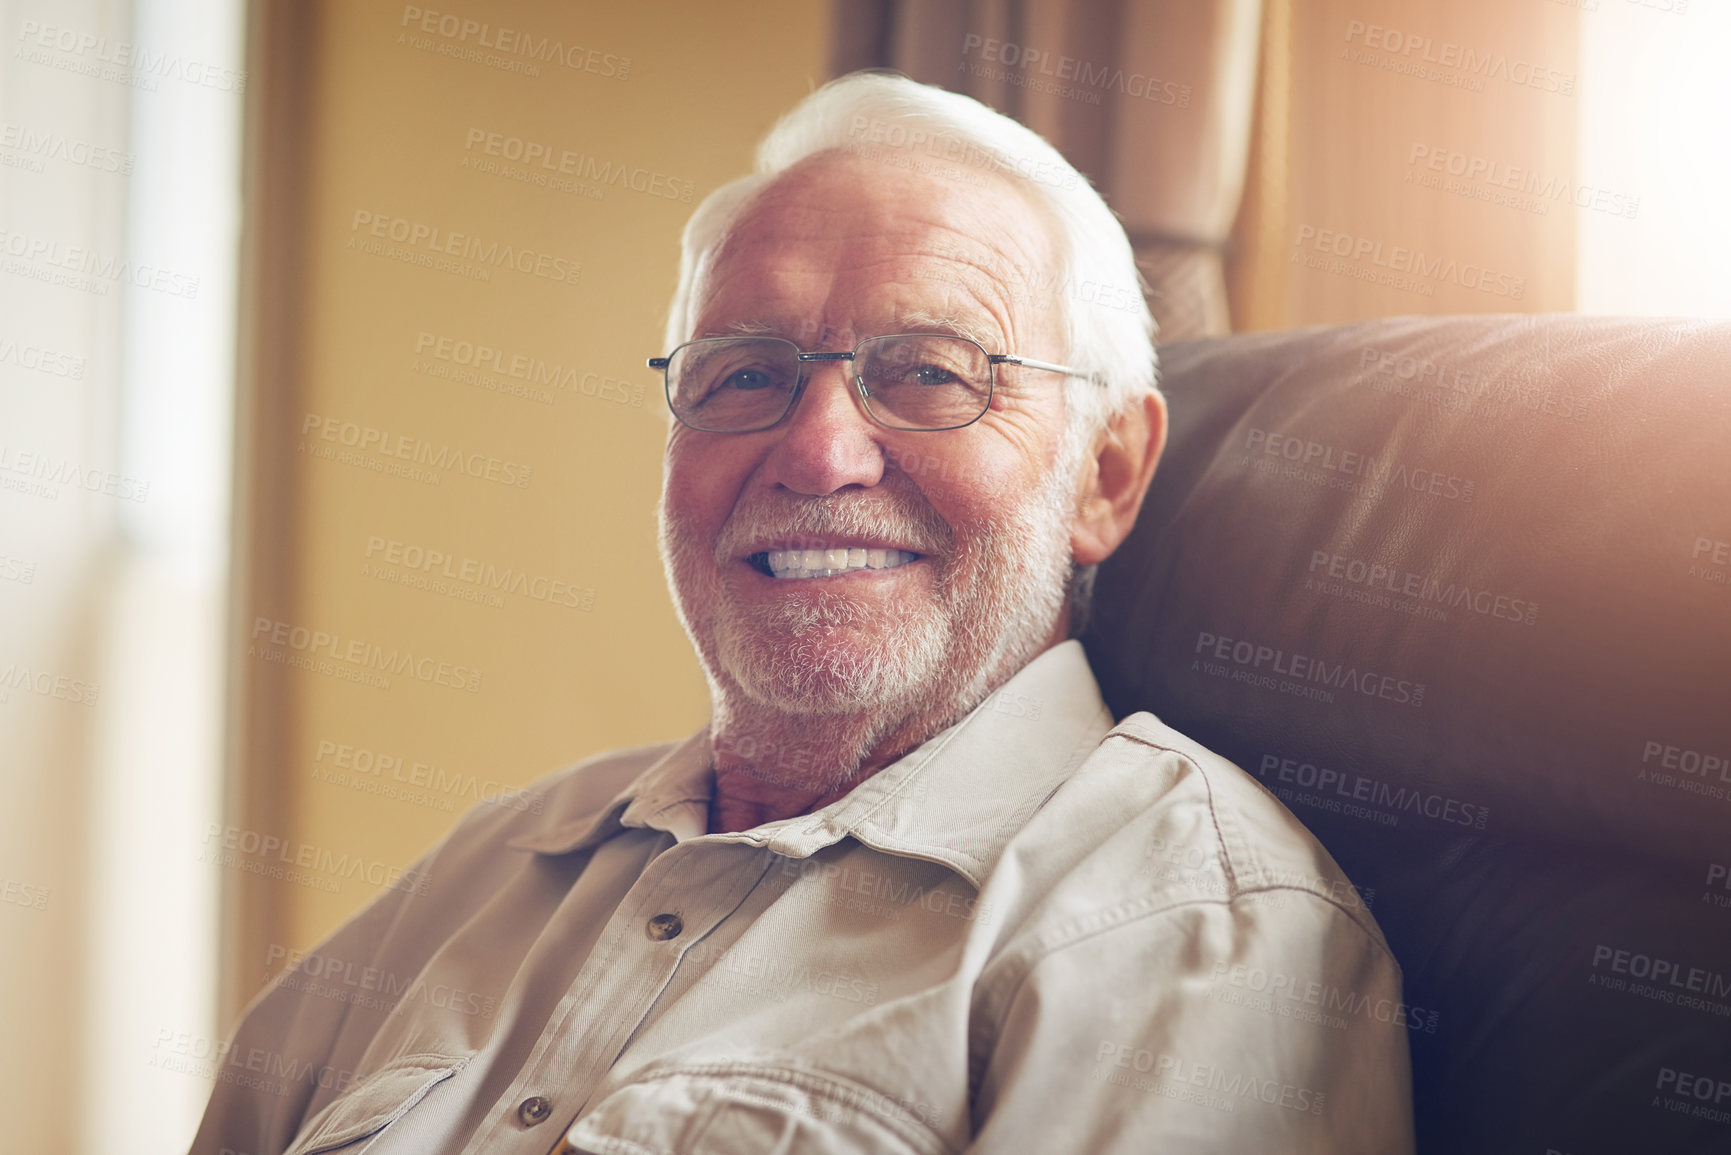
[1270,1022]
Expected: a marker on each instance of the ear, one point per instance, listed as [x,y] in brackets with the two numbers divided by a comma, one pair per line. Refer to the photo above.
[1116,477]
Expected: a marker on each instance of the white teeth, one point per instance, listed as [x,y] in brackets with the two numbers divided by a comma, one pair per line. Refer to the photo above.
[812,563]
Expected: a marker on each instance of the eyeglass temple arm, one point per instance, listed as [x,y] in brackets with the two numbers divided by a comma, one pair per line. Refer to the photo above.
[1030,363]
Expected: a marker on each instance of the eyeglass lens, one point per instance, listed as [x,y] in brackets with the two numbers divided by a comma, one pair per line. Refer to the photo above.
[912,381]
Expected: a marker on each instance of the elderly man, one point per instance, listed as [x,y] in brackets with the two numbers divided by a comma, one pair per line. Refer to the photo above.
[910,889]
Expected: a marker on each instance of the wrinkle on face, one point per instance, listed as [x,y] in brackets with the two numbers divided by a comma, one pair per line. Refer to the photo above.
[937,246]
[834,251]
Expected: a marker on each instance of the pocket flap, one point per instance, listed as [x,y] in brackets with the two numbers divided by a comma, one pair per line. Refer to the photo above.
[739,1108]
[375,1102]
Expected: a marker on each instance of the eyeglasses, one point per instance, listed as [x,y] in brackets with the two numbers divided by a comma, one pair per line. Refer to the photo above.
[915,381]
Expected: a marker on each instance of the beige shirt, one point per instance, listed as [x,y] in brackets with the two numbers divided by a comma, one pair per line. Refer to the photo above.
[1037,932]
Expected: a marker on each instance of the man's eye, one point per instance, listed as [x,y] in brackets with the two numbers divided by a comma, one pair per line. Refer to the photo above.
[746,379]
[932,375]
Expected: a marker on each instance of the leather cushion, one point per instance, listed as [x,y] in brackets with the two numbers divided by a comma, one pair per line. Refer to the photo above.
[1466,573]
[1537,830]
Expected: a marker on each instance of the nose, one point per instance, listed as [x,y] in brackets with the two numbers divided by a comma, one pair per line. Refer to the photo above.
[828,442]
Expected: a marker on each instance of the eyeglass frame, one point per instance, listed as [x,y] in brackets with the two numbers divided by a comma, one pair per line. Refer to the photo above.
[993,360]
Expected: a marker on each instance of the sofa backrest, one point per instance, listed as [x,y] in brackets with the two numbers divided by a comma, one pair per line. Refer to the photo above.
[1458,592]
[1467,571]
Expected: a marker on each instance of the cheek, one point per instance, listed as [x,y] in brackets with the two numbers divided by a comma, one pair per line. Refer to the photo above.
[1003,464]
[702,483]
[976,488]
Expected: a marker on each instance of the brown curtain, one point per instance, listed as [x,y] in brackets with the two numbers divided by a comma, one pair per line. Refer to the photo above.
[1446,132]
[1152,99]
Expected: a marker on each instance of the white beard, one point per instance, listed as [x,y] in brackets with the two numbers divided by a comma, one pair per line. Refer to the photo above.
[1000,587]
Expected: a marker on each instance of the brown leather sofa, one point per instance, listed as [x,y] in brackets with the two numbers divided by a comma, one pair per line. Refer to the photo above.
[1458,591]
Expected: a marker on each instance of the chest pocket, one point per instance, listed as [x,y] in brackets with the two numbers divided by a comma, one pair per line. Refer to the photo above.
[738,1108]
[374,1103]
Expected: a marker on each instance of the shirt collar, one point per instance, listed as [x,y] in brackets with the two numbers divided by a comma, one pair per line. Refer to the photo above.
[954,800]
[672,794]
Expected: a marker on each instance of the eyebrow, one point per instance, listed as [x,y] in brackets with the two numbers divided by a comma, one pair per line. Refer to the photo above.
[920,320]
[746,329]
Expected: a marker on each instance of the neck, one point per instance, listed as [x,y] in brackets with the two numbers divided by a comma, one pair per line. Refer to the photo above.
[770,764]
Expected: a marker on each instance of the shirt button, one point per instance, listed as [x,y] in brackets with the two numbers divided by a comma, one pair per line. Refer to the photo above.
[663,927]
[534,1109]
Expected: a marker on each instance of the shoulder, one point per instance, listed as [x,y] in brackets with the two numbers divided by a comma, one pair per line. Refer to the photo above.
[490,844]
[1174,946]
[1260,844]
[1153,825]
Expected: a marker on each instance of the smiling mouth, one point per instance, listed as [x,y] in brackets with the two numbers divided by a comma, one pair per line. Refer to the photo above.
[817,563]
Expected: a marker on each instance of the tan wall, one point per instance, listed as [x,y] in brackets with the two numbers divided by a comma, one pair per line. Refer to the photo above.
[576,466]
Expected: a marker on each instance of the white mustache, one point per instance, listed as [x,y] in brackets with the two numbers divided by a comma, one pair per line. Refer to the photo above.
[913,525]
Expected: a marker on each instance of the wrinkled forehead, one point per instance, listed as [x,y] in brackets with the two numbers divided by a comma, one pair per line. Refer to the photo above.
[842,242]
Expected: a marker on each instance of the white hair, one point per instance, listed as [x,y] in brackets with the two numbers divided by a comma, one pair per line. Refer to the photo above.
[1096,288]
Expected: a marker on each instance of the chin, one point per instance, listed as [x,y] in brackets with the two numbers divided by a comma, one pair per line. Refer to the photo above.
[830,656]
